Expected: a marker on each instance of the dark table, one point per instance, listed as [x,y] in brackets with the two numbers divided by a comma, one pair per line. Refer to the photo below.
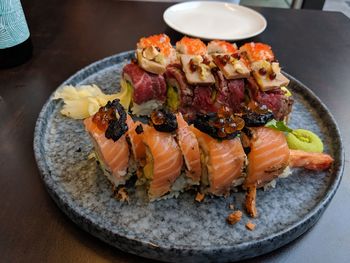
[313,46]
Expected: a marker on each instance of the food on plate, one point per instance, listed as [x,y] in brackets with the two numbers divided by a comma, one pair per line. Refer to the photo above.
[268,157]
[190,149]
[110,144]
[222,163]
[221,125]
[154,53]
[137,148]
[163,163]
[199,78]
[84,101]
[179,92]
[122,195]
[208,118]
[197,69]
[148,90]
[191,46]
[309,160]
[257,52]
[250,201]
[169,155]
[231,66]
[199,197]
[266,85]
[220,46]
[234,217]
[305,140]
[276,100]
[268,75]
[250,226]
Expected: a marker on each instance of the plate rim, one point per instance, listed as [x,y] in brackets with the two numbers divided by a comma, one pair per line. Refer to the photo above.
[85,223]
[240,7]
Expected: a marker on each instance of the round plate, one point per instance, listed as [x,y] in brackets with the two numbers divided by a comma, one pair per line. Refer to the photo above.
[214,20]
[180,229]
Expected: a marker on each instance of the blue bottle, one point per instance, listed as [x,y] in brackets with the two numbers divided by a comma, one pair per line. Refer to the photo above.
[15,42]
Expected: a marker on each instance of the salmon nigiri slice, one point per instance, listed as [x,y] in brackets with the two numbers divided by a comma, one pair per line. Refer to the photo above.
[222,162]
[190,149]
[268,158]
[163,161]
[113,155]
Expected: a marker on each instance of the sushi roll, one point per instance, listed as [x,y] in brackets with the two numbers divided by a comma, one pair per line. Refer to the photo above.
[108,134]
[148,90]
[154,53]
[267,85]
[190,150]
[268,157]
[163,164]
[222,162]
[265,70]
[144,77]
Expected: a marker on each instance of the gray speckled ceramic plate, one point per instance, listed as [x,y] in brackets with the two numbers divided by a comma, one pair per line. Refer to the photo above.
[180,229]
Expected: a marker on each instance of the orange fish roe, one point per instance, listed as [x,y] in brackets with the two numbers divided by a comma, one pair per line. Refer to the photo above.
[227,45]
[162,41]
[258,51]
[194,46]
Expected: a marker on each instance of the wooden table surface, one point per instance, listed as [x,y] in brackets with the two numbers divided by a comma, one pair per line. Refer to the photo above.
[313,46]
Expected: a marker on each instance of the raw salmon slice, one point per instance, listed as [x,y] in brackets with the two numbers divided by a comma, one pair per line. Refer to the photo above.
[222,162]
[114,155]
[163,161]
[137,146]
[190,149]
[268,158]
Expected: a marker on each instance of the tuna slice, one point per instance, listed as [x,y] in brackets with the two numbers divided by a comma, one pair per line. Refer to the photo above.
[147,86]
[230,92]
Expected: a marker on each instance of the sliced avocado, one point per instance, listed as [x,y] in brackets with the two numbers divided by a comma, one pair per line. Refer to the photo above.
[148,168]
[204,177]
[173,100]
[125,93]
[305,140]
[214,95]
[288,93]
